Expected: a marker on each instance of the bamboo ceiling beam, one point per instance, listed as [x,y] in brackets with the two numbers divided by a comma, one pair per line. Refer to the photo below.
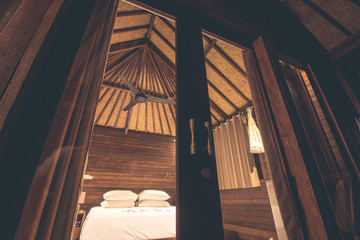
[226,80]
[106,105]
[121,61]
[128,118]
[160,76]
[211,45]
[164,20]
[128,45]
[102,96]
[172,112]
[167,120]
[151,25]
[164,39]
[160,120]
[328,18]
[164,69]
[146,116]
[139,68]
[162,56]
[217,120]
[120,110]
[153,115]
[137,119]
[218,109]
[130,29]
[132,13]
[125,69]
[221,94]
[114,106]
[153,77]
[227,57]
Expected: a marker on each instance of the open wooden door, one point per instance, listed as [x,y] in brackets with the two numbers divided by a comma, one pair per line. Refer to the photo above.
[315,180]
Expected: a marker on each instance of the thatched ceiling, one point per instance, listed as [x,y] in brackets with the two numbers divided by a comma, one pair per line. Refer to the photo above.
[143,50]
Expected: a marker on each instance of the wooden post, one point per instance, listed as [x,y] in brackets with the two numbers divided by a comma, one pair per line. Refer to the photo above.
[198,204]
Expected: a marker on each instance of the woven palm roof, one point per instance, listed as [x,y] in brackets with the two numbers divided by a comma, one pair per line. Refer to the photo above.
[143,50]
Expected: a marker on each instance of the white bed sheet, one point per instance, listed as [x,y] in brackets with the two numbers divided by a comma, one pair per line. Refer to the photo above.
[135,223]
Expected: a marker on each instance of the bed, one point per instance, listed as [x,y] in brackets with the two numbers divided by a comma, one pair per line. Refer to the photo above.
[136,223]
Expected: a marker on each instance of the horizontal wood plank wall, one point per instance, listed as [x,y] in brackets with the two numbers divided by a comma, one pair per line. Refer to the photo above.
[135,161]
[247,214]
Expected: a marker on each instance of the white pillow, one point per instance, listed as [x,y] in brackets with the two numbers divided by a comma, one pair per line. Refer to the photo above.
[120,195]
[117,204]
[152,203]
[153,195]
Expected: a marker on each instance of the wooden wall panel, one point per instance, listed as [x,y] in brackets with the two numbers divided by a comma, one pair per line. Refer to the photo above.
[247,214]
[135,161]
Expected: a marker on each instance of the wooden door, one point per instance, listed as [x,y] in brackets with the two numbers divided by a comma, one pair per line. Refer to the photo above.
[306,155]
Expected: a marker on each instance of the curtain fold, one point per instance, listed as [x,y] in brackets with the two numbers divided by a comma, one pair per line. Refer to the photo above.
[256,144]
[235,164]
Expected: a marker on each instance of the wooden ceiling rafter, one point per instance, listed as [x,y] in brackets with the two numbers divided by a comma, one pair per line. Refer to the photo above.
[226,80]
[167,23]
[132,13]
[122,67]
[103,95]
[226,57]
[130,29]
[104,108]
[137,119]
[209,47]
[241,110]
[217,120]
[153,115]
[159,115]
[166,117]
[128,45]
[136,82]
[162,56]
[217,109]
[120,110]
[151,25]
[164,39]
[159,76]
[221,94]
[172,111]
[113,108]
[146,116]
[170,80]
[125,59]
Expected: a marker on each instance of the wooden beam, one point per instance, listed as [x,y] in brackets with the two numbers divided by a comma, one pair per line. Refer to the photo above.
[160,120]
[211,45]
[124,46]
[328,18]
[120,110]
[151,25]
[162,56]
[227,57]
[167,23]
[114,106]
[221,94]
[226,80]
[167,119]
[129,29]
[160,76]
[106,105]
[218,109]
[164,39]
[131,13]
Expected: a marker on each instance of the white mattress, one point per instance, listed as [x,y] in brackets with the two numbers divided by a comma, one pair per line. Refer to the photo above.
[135,223]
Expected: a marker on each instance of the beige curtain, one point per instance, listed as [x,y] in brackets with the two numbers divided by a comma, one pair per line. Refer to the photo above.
[235,164]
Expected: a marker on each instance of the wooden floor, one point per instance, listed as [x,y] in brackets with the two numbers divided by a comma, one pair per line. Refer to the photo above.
[247,214]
